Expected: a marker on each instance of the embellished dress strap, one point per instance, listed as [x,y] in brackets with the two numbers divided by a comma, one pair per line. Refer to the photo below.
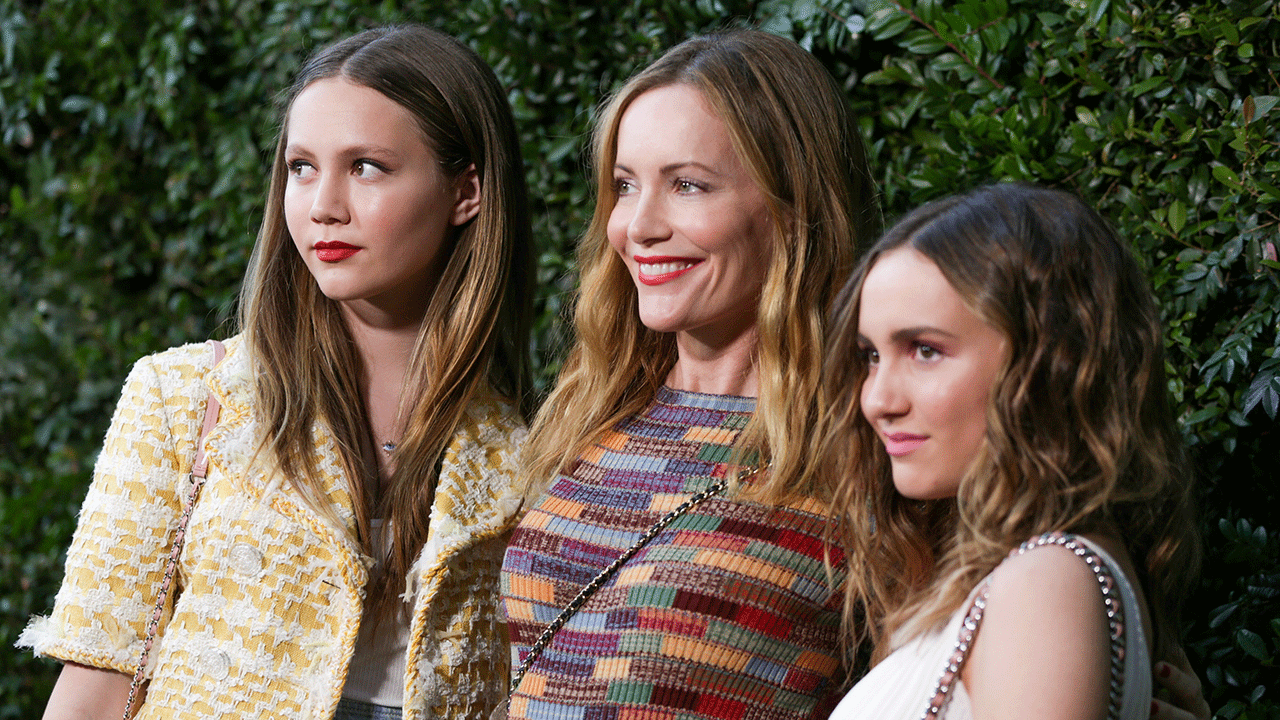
[1111,599]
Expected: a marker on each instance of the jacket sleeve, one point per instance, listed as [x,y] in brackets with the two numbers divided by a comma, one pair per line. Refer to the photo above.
[461,665]
[116,561]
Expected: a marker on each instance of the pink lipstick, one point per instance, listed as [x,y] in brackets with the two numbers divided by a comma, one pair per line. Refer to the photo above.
[899,444]
[659,269]
[332,251]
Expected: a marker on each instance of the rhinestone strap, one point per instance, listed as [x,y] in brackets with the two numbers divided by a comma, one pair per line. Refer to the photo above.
[599,580]
[973,620]
[950,673]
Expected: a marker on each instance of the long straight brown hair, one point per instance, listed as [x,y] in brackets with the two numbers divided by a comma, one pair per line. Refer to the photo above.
[791,127]
[473,338]
[1080,433]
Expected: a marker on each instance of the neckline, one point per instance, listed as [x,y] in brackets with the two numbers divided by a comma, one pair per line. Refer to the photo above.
[667,395]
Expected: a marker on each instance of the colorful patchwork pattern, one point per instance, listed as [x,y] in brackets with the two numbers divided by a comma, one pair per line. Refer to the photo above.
[727,613]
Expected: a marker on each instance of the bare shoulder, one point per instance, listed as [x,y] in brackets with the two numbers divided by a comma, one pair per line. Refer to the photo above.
[1050,573]
[1048,592]
[1044,643]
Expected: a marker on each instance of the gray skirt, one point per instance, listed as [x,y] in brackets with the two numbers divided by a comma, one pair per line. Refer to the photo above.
[349,709]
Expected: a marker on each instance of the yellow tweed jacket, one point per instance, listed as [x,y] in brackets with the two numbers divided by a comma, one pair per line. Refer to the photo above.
[270,596]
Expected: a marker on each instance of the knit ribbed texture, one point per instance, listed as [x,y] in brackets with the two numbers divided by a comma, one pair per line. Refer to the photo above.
[727,613]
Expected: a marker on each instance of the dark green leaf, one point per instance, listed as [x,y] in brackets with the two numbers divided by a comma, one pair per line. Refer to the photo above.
[922,42]
[1264,389]
[1251,642]
[1221,614]
[1095,10]
[1147,85]
[1226,176]
[1263,104]
[76,103]
[1177,215]
[1202,415]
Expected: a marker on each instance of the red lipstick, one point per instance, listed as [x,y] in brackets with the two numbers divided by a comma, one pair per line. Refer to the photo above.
[659,269]
[332,251]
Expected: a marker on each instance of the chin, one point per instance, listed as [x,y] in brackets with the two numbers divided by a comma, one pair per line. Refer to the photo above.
[341,294]
[924,488]
[660,324]
[335,295]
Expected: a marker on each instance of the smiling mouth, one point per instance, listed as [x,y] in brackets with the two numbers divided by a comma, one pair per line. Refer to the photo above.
[659,270]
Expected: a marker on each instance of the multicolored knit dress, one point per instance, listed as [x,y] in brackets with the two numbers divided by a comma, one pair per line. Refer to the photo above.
[728,613]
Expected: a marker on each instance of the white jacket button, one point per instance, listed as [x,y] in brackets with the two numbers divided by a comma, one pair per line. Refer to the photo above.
[216,663]
[246,559]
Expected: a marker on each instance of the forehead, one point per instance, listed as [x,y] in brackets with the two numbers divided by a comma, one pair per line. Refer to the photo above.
[674,120]
[904,288]
[337,110]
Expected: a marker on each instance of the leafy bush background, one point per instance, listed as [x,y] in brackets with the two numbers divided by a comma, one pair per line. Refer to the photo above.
[135,137]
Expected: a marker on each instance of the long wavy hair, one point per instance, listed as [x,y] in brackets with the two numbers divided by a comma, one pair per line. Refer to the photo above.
[473,337]
[791,128]
[1080,433]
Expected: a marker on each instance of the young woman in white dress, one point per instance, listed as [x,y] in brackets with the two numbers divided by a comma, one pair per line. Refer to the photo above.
[1022,539]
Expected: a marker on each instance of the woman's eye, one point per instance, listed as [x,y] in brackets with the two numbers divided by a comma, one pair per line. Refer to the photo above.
[301,169]
[871,356]
[366,168]
[927,352]
[623,187]
[687,186]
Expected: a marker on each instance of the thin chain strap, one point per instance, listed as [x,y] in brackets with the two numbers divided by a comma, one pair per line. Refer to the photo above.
[199,468]
[599,580]
[973,620]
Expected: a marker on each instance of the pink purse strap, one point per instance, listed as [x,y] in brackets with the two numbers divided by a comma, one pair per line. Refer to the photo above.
[199,467]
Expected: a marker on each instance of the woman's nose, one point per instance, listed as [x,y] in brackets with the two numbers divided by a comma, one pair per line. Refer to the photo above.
[882,393]
[330,202]
[648,221]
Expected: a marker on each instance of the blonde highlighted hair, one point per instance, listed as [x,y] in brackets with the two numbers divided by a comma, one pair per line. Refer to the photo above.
[473,336]
[1080,433]
[792,130]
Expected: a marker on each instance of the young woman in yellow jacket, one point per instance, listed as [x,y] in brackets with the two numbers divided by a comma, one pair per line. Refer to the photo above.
[342,558]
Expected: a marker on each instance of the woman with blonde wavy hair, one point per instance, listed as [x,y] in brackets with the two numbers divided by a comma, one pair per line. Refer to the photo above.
[1019,536]
[732,191]
[341,558]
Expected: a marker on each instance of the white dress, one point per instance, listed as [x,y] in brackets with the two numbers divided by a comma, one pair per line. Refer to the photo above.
[903,685]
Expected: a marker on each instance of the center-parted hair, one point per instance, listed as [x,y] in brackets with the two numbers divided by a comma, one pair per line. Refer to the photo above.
[1081,436]
[473,337]
[791,128]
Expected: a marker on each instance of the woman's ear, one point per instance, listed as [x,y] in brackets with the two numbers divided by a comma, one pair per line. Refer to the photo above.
[467,196]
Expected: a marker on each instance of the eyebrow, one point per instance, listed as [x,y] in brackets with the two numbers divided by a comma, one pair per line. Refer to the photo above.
[353,151]
[898,336]
[671,167]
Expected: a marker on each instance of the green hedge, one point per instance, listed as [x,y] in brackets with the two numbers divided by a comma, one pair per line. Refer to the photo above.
[134,141]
